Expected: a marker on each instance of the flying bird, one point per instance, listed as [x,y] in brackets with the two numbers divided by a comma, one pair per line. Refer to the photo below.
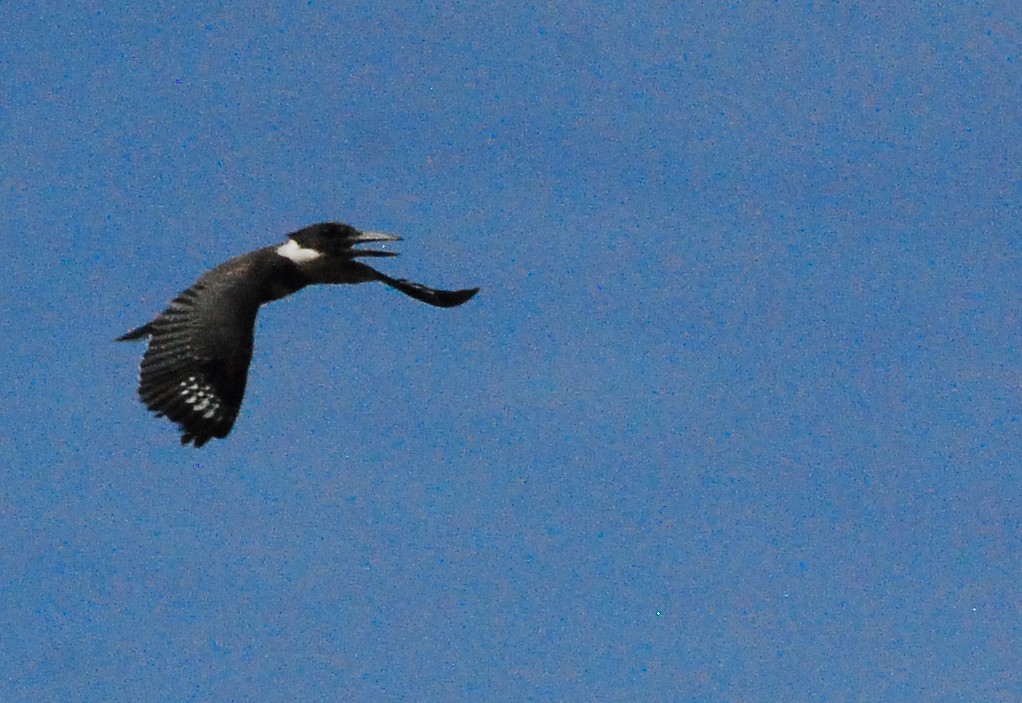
[195,367]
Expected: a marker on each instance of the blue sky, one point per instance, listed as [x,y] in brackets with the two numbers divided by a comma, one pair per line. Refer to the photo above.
[735,416]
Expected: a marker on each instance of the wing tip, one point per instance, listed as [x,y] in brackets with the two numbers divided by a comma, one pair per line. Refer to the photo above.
[453,298]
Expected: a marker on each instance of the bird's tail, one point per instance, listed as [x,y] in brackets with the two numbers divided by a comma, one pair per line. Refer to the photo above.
[137,333]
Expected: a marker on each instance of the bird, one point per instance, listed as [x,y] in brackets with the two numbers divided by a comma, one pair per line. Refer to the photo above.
[195,366]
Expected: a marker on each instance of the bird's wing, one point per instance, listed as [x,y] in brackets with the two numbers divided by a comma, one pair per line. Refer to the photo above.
[195,368]
[357,272]
[435,297]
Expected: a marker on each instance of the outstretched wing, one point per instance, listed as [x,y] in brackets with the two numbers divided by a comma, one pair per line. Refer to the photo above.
[195,368]
[433,296]
[356,272]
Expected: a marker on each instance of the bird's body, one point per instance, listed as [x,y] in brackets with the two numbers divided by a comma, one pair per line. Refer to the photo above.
[195,368]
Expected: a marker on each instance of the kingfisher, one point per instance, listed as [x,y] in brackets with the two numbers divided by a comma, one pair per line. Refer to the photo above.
[195,366]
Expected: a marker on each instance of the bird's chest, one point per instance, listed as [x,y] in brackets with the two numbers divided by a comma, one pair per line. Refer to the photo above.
[284,278]
[279,288]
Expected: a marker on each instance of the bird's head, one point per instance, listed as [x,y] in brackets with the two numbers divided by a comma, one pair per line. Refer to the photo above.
[331,239]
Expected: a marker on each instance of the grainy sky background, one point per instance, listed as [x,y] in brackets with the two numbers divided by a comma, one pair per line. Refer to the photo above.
[736,416]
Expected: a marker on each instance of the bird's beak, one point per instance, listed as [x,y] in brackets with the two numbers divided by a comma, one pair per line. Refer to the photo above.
[368,237]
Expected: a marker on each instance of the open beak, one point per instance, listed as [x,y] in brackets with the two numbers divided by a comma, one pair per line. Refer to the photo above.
[368,237]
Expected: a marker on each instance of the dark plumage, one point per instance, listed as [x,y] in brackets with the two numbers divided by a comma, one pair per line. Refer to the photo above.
[196,365]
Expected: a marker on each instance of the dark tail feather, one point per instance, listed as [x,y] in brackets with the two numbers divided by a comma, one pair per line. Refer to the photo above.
[137,333]
[437,298]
